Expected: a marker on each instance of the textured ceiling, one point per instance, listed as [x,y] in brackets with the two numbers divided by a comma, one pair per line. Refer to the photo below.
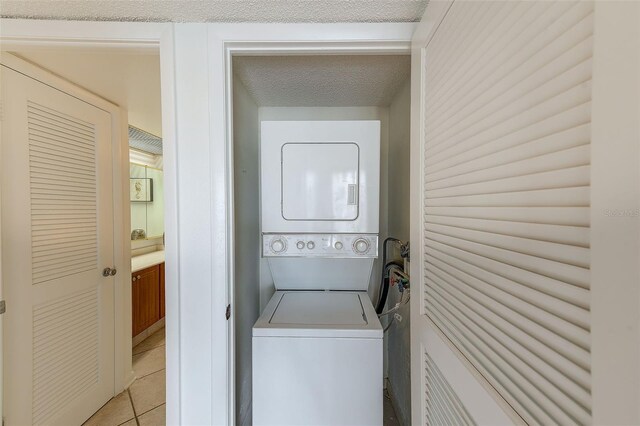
[322,80]
[218,10]
[131,81]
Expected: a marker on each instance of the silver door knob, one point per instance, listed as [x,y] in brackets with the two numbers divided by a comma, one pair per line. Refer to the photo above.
[109,272]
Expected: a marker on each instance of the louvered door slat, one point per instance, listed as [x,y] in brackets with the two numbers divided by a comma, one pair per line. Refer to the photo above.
[69,313]
[568,158]
[506,203]
[570,235]
[550,129]
[523,65]
[440,397]
[489,131]
[534,351]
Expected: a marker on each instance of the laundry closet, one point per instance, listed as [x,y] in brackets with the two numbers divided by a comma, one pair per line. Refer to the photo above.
[321,181]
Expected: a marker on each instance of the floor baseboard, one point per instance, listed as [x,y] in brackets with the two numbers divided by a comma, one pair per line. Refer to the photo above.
[147,332]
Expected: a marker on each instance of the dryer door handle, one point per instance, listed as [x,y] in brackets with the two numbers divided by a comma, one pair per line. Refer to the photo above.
[352,194]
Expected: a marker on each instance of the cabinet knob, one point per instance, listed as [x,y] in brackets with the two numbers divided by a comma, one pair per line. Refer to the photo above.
[138,277]
[133,279]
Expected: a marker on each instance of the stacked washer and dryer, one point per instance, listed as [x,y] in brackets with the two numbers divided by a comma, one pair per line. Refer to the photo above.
[318,345]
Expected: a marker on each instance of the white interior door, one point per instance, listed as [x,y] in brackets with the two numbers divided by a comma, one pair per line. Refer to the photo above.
[57,236]
[501,150]
[1,292]
[445,389]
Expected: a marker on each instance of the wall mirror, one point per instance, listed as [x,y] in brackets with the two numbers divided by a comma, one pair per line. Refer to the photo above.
[146,186]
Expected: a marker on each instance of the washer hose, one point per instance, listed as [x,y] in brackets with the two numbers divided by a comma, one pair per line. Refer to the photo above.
[384,279]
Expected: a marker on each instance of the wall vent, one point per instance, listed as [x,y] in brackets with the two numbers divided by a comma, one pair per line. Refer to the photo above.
[443,407]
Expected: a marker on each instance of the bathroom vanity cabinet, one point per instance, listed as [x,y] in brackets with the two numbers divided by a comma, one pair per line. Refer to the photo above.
[147,297]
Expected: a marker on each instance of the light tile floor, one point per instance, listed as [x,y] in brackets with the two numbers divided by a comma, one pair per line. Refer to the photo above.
[143,404]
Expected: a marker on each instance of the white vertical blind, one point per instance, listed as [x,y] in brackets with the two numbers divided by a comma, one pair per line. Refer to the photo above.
[506,201]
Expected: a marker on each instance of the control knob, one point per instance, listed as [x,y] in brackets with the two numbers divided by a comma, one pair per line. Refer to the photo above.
[338,245]
[300,245]
[278,245]
[361,245]
[311,245]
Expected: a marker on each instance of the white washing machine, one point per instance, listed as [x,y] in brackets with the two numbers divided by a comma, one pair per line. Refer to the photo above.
[317,360]
[318,345]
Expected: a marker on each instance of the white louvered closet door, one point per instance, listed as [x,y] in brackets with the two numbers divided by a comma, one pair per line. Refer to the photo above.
[505,133]
[57,236]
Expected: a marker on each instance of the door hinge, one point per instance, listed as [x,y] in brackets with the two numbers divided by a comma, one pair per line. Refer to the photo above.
[227,314]
[3,307]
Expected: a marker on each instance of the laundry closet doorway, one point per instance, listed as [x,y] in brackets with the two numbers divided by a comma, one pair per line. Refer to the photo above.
[334,65]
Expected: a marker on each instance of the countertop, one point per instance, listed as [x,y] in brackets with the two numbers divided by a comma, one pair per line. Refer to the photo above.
[146,260]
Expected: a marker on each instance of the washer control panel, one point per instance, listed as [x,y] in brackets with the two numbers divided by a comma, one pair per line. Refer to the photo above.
[320,245]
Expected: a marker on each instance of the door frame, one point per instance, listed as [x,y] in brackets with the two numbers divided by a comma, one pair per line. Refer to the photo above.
[141,38]
[230,40]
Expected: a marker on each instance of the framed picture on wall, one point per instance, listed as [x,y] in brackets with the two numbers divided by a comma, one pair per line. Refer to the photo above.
[141,189]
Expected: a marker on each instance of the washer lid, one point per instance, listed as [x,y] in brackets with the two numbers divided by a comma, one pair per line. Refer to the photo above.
[319,308]
[319,314]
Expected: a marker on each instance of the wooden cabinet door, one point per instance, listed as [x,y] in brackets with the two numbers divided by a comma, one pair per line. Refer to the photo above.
[161,290]
[145,298]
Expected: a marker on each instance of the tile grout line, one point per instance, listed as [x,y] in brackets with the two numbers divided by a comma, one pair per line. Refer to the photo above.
[148,374]
[157,406]
[135,415]
[150,349]
[153,372]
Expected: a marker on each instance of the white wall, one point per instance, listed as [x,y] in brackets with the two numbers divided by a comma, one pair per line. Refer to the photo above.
[335,113]
[398,344]
[145,158]
[247,240]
